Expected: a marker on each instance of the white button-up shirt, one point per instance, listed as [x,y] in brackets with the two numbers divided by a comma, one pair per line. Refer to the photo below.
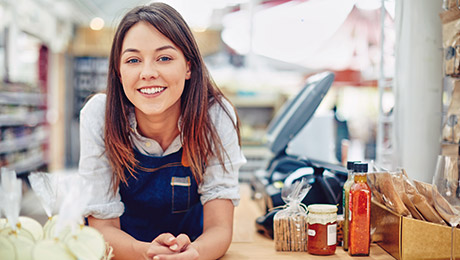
[95,167]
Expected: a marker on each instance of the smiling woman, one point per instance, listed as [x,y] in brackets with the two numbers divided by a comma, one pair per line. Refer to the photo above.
[165,152]
[153,73]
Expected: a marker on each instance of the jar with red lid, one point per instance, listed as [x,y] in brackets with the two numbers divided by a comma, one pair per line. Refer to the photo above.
[322,229]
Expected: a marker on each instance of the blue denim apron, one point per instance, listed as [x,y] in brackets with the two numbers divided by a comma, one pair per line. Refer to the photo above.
[163,200]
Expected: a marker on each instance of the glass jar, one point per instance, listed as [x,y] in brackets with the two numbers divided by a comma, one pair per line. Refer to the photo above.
[322,229]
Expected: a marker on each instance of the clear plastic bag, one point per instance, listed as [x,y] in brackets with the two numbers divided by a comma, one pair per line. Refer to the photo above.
[290,223]
[11,195]
[45,186]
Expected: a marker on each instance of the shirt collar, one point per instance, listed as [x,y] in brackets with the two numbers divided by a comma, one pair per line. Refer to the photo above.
[150,146]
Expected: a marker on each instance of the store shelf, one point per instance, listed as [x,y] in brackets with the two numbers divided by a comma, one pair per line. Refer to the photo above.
[257,159]
[386,83]
[21,98]
[254,102]
[25,142]
[256,151]
[385,140]
[31,163]
[24,130]
[29,119]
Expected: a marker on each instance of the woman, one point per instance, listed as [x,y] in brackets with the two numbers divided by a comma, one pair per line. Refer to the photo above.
[164,155]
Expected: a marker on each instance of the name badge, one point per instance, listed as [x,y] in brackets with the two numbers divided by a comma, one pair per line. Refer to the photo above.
[180,181]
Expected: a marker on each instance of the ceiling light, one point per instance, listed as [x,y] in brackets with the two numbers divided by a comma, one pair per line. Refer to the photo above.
[96,24]
[199,29]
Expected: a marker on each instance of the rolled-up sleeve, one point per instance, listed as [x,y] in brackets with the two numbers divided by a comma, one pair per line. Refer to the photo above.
[94,165]
[220,183]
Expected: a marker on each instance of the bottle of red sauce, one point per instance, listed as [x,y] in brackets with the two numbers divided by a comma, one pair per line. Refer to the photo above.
[346,199]
[359,213]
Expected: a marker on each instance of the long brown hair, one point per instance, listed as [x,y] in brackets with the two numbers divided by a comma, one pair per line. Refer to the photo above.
[200,140]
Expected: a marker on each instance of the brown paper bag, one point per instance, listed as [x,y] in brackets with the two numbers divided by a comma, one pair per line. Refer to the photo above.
[399,185]
[422,204]
[450,42]
[436,200]
[390,196]
[451,4]
[425,189]
[376,194]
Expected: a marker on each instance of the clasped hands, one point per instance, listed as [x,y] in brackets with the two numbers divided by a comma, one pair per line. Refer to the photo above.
[168,247]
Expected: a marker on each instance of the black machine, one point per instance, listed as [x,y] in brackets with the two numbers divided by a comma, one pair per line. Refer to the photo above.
[326,178]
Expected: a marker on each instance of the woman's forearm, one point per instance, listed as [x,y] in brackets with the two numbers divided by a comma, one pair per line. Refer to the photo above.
[217,229]
[124,246]
[214,242]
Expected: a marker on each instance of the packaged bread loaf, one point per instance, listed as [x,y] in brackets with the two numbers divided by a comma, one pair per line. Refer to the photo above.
[451,39]
[426,190]
[421,203]
[390,196]
[399,185]
[375,190]
[434,198]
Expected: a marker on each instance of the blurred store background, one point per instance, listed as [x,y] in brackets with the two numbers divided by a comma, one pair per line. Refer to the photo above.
[54,53]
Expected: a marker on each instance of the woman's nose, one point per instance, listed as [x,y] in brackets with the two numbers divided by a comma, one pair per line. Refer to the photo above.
[149,71]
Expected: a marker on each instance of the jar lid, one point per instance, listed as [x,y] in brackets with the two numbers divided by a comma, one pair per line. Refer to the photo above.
[322,208]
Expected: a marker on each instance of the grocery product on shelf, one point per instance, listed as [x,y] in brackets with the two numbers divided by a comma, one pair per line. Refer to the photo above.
[290,223]
[346,197]
[24,131]
[322,229]
[360,213]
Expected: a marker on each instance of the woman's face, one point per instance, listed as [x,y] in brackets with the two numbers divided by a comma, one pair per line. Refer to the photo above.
[153,71]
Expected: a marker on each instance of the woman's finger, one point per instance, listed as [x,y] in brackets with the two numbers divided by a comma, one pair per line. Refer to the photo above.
[189,253]
[161,245]
[165,239]
[158,249]
[182,242]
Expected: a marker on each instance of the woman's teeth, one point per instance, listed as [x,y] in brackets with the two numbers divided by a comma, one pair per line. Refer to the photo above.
[151,90]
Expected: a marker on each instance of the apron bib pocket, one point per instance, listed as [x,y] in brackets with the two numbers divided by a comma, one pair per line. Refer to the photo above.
[180,194]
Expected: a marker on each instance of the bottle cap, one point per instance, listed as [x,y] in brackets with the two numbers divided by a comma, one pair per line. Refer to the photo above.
[357,167]
[364,167]
[350,165]
[360,167]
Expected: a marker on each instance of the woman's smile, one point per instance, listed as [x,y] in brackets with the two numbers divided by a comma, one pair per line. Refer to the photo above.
[152,91]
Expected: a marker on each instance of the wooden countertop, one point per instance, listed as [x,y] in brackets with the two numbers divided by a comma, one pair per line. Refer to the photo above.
[248,244]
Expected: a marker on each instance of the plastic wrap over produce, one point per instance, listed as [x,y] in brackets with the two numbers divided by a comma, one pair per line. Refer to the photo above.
[64,235]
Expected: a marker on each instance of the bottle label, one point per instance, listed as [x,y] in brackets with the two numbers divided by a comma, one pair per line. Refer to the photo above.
[350,205]
[332,234]
[311,232]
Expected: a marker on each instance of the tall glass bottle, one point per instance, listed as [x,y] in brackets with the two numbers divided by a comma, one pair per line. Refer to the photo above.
[345,196]
[360,213]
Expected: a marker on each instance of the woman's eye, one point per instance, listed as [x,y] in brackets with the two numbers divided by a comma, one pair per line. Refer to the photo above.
[132,61]
[164,59]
